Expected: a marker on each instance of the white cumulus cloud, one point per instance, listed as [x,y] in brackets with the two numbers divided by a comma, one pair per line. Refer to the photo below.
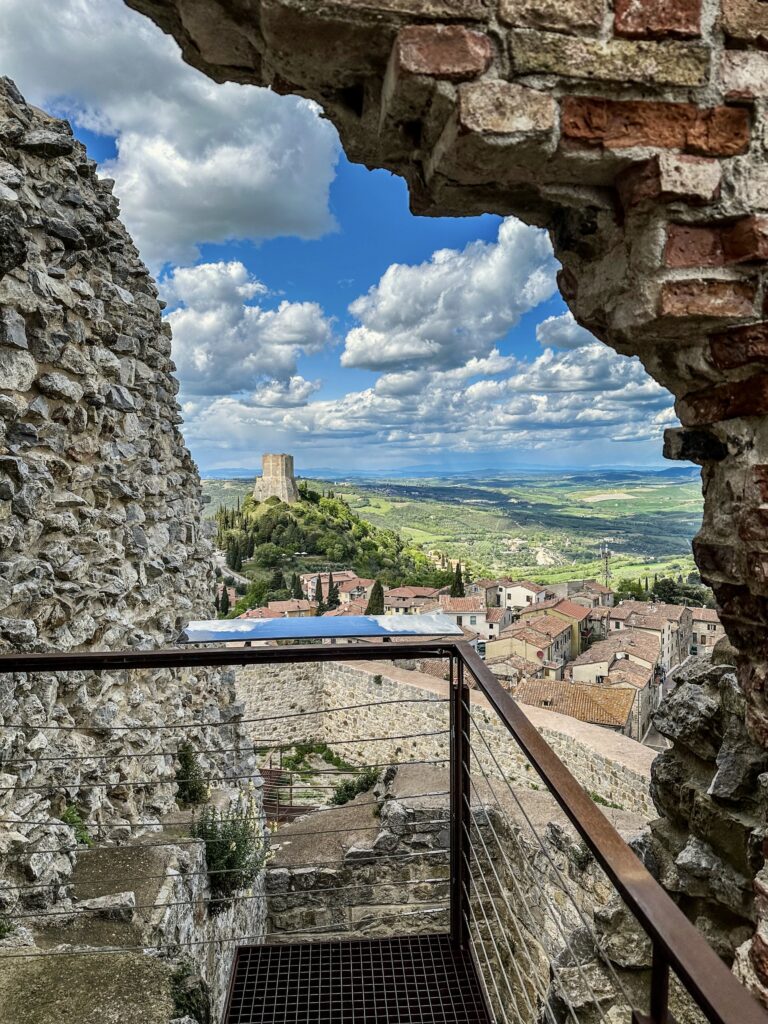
[224,341]
[441,313]
[562,332]
[197,162]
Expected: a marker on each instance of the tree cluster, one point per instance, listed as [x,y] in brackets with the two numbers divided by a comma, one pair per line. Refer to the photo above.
[667,590]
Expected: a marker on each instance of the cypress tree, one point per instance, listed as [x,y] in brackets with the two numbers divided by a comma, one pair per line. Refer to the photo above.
[457,586]
[277,582]
[375,604]
[296,590]
[333,593]
[224,602]
[216,600]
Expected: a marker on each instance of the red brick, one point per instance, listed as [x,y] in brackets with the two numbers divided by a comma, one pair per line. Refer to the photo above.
[655,19]
[708,298]
[725,402]
[740,346]
[760,474]
[692,246]
[747,240]
[443,51]
[617,124]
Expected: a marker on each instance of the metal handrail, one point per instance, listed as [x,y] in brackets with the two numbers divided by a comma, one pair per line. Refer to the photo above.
[676,942]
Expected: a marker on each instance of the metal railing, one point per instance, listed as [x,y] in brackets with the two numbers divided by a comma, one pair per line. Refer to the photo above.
[500,907]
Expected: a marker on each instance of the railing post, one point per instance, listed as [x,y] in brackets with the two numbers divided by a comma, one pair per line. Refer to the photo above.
[459,801]
[659,1001]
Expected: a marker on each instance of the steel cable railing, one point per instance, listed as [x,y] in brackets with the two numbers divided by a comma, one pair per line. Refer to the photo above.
[514,902]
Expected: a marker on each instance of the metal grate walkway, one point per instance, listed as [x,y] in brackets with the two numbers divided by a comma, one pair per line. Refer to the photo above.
[421,979]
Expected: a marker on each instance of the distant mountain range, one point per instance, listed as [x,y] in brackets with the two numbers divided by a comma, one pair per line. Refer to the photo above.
[486,472]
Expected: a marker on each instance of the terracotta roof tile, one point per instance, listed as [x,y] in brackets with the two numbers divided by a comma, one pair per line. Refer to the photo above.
[642,645]
[588,702]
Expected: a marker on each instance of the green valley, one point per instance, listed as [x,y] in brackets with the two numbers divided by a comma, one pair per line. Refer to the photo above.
[549,527]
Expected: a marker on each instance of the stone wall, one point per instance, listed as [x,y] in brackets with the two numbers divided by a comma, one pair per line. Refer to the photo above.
[399,703]
[711,790]
[101,541]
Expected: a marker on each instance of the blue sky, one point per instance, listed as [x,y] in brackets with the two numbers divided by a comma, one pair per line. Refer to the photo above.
[311,311]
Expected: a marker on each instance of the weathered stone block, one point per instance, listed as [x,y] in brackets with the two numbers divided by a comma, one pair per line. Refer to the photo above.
[655,19]
[13,247]
[713,298]
[617,60]
[617,124]
[491,117]
[503,108]
[12,329]
[557,15]
[670,176]
[739,762]
[699,446]
[17,369]
[691,717]
[47,142]
[725,401]
[746,20]
[442,51]
[740,346]
[744,74]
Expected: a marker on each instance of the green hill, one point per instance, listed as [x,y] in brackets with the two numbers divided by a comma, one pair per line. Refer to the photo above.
[272,541]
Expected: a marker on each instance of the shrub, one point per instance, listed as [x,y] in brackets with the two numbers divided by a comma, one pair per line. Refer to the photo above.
[189,993]
[189,777]
[73,818]
[350,788]
[297,761]
[234,848]
[7,927]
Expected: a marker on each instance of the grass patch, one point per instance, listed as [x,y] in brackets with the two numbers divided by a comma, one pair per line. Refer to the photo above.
[298,761]
[605,803]
[73,818]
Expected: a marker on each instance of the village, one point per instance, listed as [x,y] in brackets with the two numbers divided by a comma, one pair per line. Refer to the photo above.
[570,648]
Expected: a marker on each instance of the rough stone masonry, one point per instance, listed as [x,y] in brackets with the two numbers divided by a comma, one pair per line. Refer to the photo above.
[100,528]
[635,131]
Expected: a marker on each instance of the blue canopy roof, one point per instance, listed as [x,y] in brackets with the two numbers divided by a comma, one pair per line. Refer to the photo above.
[318,628]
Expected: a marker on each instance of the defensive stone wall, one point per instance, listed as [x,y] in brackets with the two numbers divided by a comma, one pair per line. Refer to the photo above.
[101,540]
[404,716]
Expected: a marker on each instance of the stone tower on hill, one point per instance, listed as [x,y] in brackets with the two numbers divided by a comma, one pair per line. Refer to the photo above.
[276,479]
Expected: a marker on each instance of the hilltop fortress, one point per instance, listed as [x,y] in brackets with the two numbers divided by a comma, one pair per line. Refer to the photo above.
[277,479]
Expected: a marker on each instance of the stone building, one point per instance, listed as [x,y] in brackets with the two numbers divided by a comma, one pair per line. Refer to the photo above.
[276,480]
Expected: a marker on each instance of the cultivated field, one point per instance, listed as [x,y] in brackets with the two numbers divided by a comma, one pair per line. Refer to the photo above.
[548,527]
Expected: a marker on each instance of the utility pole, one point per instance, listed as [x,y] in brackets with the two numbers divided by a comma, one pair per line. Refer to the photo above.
[605,555]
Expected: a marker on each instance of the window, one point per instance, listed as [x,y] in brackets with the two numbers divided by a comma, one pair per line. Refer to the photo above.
[711,627]
[473,620]
[528,598]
